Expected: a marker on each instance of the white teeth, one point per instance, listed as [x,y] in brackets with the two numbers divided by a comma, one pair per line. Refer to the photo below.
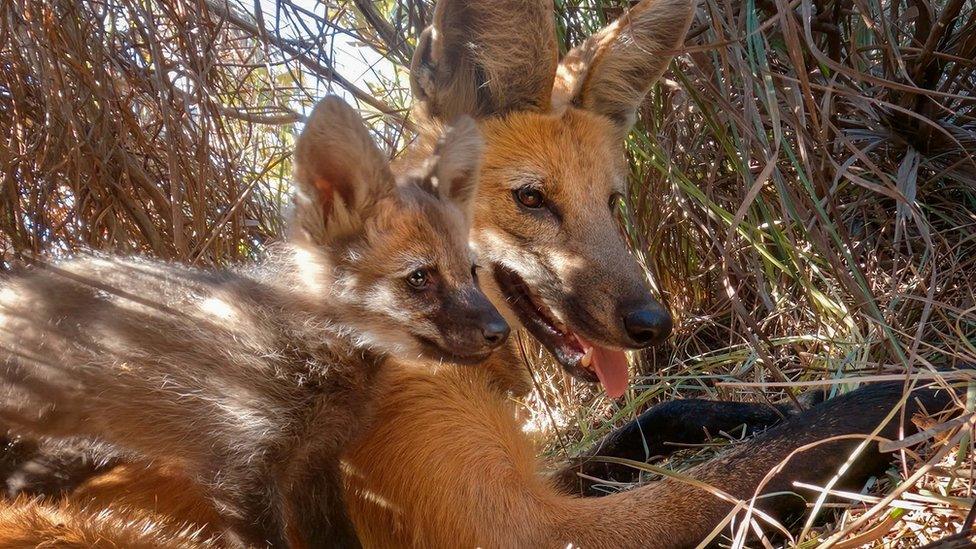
[587,358]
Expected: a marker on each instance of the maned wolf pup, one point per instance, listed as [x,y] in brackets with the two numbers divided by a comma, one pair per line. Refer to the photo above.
[255,380]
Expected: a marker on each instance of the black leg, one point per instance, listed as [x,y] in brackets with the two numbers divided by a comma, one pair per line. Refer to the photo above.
[659,432]
[828,433]
[855,413]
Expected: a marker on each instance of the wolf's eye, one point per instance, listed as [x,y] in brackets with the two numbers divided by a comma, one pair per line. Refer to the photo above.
[474,273]
[419,279]
[528,196]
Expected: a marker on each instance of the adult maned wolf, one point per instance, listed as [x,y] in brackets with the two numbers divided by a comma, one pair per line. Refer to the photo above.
[446,464]
[255,380]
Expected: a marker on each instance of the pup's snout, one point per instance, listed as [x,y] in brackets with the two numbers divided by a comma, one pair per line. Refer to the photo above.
[486,324]
[471,324]
[647,324]
[495,330]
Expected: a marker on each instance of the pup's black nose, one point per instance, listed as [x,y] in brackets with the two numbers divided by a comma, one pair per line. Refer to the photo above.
[495,332]
[647,325]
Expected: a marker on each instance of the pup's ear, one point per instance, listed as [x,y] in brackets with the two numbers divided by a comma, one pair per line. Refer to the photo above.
[613,69]
[339,171]
[484,58]
[452,170]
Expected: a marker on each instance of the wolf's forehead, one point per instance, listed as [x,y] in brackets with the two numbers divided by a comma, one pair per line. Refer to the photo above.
[594,163]
[577,154]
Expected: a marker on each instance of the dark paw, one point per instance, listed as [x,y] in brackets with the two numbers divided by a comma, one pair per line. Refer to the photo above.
[53,469]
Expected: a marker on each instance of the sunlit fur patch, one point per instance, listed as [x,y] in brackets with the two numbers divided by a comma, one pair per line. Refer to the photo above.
[383,300]
[566,263]
[237,404]
[388,339]
[311,270]
[218,308]
[8,296]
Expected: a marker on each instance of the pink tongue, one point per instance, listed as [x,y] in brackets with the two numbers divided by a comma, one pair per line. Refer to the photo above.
[611,368]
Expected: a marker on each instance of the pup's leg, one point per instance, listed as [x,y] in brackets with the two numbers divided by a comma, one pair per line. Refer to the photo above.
[318,508]
[54,468]
[30,408]
[247,498]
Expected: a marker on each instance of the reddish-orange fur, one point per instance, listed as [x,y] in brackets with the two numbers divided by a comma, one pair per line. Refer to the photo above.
[30,524]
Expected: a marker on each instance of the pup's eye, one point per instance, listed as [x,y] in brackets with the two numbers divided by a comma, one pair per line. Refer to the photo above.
[530,197]
[474,272]
[419,279]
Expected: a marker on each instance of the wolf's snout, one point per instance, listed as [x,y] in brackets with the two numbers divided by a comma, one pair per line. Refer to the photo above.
[647,324]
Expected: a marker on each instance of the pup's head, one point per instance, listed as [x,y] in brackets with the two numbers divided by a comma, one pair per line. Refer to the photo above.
[392,256]
[554,167]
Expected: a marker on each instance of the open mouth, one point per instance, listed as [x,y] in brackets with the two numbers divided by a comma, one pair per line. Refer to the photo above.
[578,356]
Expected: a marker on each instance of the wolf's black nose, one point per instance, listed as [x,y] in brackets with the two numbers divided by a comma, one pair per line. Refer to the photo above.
[495,331]
[648,325]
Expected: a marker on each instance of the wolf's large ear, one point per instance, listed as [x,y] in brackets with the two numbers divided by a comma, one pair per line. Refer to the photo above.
[339,171]
[613,69]
[452,171]
[484,58]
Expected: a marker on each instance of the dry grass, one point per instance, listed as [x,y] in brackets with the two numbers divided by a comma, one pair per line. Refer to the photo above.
[158,127]
[803,191]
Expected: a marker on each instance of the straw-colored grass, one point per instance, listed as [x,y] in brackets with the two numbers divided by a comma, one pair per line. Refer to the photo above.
[803,190]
